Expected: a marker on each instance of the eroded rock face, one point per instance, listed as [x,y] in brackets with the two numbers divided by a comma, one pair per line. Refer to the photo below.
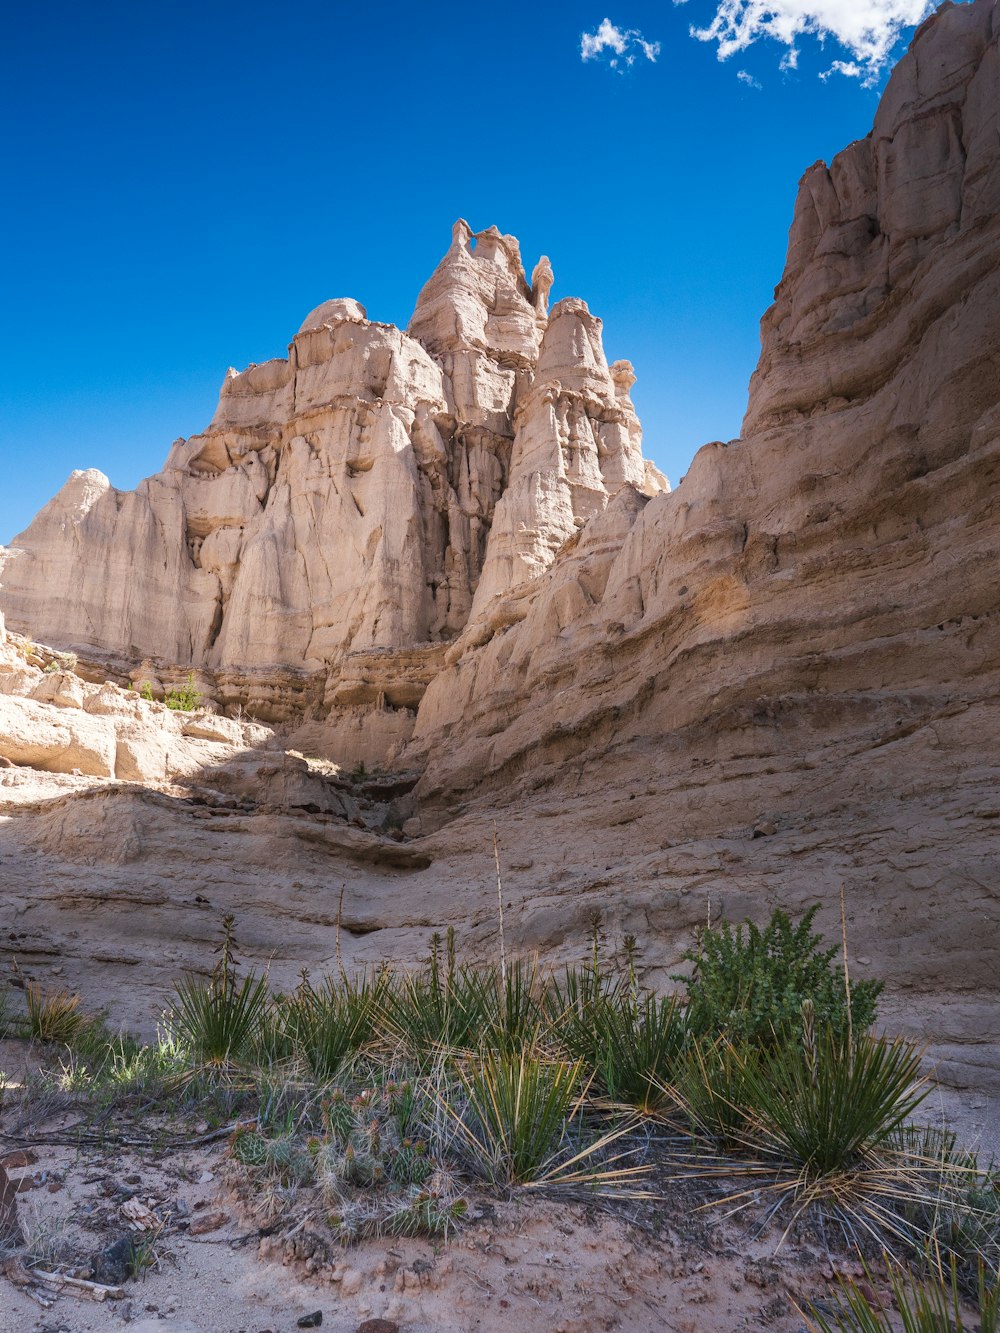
[840,547]
[342,499]
[778,681]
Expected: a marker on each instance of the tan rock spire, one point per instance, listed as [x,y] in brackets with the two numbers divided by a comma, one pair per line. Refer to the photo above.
[343,497]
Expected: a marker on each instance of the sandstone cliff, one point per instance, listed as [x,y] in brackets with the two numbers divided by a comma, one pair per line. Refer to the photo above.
[775,681]
[343,499]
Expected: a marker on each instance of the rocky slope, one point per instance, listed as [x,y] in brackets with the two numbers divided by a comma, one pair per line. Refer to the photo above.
[775,681]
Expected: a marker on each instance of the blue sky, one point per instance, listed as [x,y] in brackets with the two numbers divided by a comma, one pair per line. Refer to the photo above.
[185,182]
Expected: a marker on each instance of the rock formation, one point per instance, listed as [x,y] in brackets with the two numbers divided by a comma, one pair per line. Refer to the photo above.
[342,500]
[777,681]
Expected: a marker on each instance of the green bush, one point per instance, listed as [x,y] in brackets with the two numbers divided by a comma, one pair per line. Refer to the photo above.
[186,698]
[750,984]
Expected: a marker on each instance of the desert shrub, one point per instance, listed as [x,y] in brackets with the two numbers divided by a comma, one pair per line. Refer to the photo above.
[184,698]
[750,983]
[55,1016]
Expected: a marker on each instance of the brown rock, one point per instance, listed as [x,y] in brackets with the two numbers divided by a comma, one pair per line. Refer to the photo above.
[208,1222]
[20,1157]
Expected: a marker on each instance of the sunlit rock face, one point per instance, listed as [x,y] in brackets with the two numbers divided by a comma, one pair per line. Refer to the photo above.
[343,498]
[441,550]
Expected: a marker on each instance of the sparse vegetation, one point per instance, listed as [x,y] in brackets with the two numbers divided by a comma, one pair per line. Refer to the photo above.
[184,698]
[928,1304]
[385,1097]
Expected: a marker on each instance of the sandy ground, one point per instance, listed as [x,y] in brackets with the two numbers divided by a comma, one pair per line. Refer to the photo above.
[529,1262]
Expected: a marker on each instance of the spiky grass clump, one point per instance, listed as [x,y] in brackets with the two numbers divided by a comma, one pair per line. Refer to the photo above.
[819,1125]
[576,1006]
[956,1210]
[641,1046]
[828,1110]
[217,1021]
[326,1026]
[932,1304]
[440,1009]
[712,1090]
[516,1113]
[56,1016]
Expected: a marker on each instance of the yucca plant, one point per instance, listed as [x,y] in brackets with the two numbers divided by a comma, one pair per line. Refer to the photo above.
[956,1204]
[711,1089]
[826,1110]
[516,1110]
[576,1007]
[819,1129]
[54,1017]
[328,1025]
[441,1008]
[509,1001]
[932,1304]
[217,1021]
[641,1044]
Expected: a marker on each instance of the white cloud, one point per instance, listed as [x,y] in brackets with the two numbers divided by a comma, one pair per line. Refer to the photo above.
[849,68]
[748,79]
[867,29]
[621,44]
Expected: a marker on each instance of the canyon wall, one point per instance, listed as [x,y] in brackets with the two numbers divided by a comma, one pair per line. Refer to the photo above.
[842,552]
[442,547]
[355,497]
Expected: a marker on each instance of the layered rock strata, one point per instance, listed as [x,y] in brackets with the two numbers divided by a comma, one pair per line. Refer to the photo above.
[342,501]
[776,682]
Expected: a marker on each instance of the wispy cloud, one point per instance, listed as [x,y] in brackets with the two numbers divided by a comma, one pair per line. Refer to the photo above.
[748,79]
[868,30]
[620,47]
